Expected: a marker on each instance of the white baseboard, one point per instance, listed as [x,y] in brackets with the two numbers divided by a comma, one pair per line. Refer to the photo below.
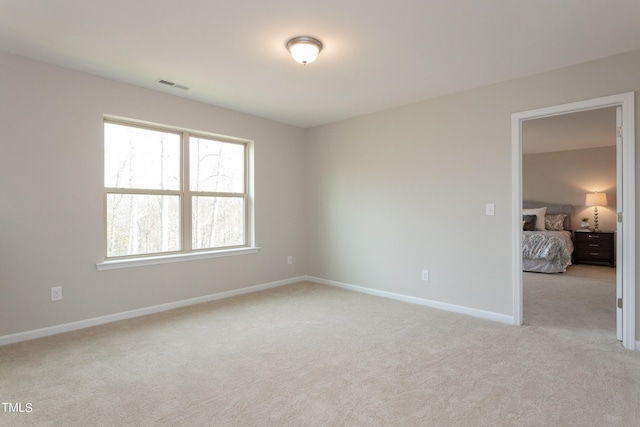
[87,323]
[488,315]
[72,326]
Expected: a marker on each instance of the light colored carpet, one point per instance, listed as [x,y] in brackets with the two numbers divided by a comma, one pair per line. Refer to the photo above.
[578,304]
[312,355]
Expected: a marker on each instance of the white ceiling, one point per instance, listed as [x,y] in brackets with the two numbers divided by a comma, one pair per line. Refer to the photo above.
[575,131]
[377,54]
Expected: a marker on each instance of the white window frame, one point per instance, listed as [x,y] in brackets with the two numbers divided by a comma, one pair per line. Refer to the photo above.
[185,193]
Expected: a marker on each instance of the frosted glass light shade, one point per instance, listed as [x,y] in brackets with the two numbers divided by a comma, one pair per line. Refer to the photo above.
[304,49]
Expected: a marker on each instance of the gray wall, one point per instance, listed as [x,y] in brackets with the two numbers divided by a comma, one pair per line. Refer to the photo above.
[401,190]
[567,176]
[51,215]
[369,201]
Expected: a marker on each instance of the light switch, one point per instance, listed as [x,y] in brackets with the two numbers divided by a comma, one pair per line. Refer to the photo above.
[490,209]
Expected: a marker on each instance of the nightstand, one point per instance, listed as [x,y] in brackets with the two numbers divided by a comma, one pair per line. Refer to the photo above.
[594,247]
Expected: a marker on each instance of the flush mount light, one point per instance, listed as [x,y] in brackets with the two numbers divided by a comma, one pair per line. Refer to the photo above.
[304,49]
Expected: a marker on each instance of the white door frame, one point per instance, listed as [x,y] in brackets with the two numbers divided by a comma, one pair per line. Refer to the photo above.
[619,225]
[626,260]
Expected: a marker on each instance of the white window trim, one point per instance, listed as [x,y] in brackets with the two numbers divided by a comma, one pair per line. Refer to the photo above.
[154,259]
[166,259]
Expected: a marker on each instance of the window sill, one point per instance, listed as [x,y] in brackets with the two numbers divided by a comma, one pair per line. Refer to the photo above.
[166,259]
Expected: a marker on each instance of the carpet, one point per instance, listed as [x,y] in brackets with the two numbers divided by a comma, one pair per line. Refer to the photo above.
[313,355]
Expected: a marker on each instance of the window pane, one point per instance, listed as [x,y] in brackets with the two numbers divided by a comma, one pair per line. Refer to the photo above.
[142,224]
[217,222]
[216,166]
[141,158]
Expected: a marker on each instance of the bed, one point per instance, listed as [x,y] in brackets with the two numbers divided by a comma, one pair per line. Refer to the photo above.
[547,246]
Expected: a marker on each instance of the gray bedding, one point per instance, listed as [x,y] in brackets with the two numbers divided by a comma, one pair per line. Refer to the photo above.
[552,249]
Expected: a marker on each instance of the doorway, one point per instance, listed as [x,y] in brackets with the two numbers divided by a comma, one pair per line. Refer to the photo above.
[625,155]
[566,157]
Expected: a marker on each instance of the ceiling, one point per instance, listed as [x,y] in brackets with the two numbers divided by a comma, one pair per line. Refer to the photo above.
[574,131]
[378,54]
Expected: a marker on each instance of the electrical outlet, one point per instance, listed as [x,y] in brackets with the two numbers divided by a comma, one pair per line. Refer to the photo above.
[289,260]
[425,275]
[56,293]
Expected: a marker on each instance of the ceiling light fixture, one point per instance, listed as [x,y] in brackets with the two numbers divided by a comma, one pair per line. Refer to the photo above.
[304,49]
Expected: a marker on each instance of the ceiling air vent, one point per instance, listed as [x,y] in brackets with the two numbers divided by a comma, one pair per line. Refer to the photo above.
[172,84]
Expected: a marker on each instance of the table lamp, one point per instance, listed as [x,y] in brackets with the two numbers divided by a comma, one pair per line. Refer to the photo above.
[596,199]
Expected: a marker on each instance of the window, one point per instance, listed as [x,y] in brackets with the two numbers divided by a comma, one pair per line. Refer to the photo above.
[170,191]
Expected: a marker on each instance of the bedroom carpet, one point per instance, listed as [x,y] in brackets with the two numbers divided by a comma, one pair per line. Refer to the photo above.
[312,355]
[579,303]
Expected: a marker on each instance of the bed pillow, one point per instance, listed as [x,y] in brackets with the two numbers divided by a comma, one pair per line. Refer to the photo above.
[529,222]
[554,222]
[539,213]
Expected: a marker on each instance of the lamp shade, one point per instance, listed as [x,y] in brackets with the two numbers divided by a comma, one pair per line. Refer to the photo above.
[596,199]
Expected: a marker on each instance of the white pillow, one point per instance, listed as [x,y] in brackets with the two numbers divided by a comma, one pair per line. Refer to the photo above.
[540,213]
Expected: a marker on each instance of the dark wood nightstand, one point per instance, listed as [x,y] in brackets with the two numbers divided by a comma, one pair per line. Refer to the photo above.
[594,247]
